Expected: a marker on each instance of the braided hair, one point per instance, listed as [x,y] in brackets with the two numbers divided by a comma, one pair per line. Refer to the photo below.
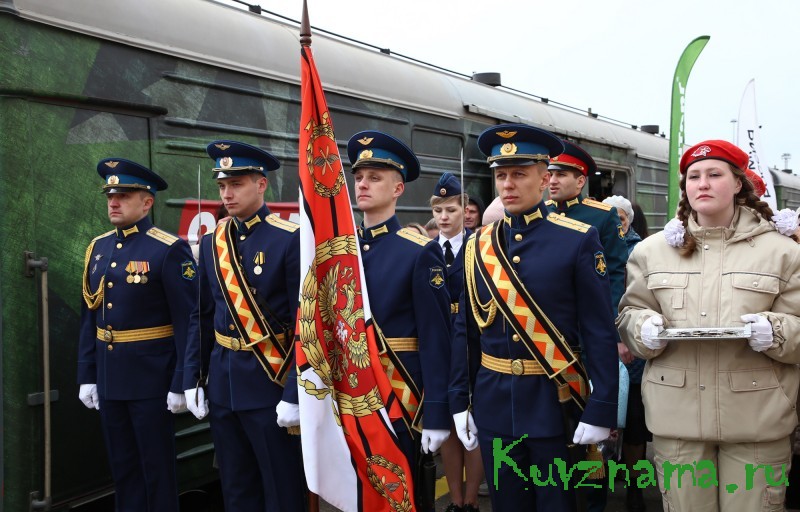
[745,197]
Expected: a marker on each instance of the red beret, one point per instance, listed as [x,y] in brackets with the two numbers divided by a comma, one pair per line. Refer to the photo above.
[758,183]
[717,150]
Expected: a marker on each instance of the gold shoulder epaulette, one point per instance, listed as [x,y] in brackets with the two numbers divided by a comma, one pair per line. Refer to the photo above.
[549,202]
[107,233]
[414,236]
[566,222]
[285,225]
[162,236]
[597,204]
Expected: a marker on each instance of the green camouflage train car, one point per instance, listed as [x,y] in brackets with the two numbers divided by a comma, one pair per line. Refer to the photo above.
[154,81]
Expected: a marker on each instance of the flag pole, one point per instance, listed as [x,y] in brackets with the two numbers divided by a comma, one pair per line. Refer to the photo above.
[677,120]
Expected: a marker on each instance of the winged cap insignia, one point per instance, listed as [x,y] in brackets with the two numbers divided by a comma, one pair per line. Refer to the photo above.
[506,134]
[366,140]
[223,147]
[112,164]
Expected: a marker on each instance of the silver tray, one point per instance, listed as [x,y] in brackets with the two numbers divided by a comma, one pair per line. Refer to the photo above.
[705,333]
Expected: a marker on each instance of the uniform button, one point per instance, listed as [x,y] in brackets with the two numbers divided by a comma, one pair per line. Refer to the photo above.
[518,237]
[755,383]
[109,327]
[113,264]
[663,281]
[242,237]
[109,305]
[702,313]
[562,214]
[110,284]
[515,259]
[515,337]
[110,347]
[755,283]
[702,387]
[366,247]
[232,327]
[706,247]
[119,245]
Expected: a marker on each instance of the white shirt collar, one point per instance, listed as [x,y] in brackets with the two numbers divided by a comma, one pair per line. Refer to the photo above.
[455,243]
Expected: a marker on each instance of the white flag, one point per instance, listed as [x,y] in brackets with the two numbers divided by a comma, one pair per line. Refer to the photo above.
[749,140]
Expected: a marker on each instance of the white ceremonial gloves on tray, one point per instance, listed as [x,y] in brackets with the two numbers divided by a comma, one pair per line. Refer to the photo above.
[88,395]
[760,332]
[196,402]
[466,430]
[176,402]
[650,330]
[288,414]
[590,434]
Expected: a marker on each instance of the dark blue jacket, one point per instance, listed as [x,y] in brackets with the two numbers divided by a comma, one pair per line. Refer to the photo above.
[605,219]
[236,379]
[559,267]
[164,296]
[406,280]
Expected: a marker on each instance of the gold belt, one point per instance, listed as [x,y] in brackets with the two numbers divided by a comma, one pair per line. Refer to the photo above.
[236,344]
[403,344]
[150,333]
[512,366]
[454,308]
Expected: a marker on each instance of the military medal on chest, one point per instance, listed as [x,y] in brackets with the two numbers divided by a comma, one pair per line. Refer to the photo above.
[137,272]
[258,259]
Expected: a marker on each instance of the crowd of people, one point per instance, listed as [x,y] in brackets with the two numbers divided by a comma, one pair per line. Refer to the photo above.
[512,322]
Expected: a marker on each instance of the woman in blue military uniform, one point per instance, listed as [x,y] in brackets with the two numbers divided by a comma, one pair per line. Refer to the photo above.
[536,288]
[139,288]
[406,277]
[449,210]
[241,337]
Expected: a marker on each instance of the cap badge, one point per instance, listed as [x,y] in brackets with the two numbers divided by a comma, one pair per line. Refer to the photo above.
[701,151]
[223,147]
[442,191]
[509,148]
[226,162]
[506,134]
[365,154]
[113,180]
[112,164]
[365,141]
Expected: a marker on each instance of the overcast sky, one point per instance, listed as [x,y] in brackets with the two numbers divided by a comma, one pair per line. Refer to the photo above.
[616,57]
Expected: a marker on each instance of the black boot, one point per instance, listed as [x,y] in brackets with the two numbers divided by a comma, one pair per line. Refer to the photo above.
[634,500]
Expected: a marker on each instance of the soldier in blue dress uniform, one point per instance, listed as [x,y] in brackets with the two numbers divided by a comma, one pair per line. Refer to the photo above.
[407,281]
[139,287]
[449,205]
[241,338]
[526,396]
[568,174]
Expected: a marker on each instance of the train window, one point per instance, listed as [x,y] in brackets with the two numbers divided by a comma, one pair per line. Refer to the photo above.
[436,144]
[605,183]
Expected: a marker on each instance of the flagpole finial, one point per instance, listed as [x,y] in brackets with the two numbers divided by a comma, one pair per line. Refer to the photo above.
[305,27]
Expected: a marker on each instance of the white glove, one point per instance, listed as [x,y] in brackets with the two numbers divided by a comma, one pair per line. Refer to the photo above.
[196,402]
[88,395]
[590,434]
[176,402]
[432,439]
[288,414]
[650,329]
[466,430]
[760,332]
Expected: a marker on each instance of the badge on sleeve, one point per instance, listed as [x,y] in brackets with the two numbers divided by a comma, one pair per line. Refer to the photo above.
[437,277]
[620,232]
[188,271]
[600,263]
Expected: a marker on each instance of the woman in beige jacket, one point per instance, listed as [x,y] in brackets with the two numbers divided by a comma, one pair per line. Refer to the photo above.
[724,408]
